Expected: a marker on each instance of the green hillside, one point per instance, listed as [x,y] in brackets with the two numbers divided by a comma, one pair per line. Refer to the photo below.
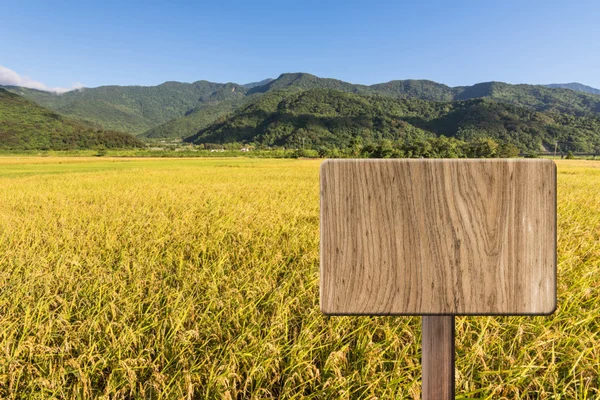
[533,97]
[259,83]
[177,110]
[537,97]
[414,89]
[307,81]
[331,118]
[578,87]
[198,118]
[131,108]
[25,125]
[312,117]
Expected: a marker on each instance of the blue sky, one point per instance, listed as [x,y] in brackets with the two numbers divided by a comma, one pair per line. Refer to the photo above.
[63,44]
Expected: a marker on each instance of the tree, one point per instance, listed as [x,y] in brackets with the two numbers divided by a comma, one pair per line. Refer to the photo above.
[482,148]
[444,147]
[356,146]
[385,149]
[507,150]
[418,148]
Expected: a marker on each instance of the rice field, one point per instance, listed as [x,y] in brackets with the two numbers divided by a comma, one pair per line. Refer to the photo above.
[198,279]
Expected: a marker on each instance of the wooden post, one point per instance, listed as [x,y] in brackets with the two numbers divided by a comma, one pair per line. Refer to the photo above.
[437,361]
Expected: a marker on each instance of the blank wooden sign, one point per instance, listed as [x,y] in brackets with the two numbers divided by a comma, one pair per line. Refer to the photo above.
[438,237]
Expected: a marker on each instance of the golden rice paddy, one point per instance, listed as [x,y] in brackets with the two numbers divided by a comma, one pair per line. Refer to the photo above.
[198,278]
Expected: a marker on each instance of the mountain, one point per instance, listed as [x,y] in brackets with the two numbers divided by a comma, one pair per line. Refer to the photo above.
[222,101]
[414,89]
[260,83]
[578,87]
[25,125]
[132,109]
[333,118]
[535,97]
[175,109]
[195,119]
[291,117]
[538,98]
[303,81]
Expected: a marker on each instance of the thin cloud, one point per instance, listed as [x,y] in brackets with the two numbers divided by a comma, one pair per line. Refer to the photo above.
[8,77]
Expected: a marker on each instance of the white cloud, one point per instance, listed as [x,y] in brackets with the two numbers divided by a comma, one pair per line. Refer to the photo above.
[8,77]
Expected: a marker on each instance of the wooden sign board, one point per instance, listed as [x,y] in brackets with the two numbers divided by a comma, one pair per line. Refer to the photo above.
[438,237]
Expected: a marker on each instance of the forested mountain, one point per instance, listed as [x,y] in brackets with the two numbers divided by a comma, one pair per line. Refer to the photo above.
[534,97]
[25,125]
[414,89]
[307,81]
[180,110]
[221,102]
[200,117]
[194,120]
[132,108]
[306,118]
[260,83]
[578,87]
[330,118]
[537,97]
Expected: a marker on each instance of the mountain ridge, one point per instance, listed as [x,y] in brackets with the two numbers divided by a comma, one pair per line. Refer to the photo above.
[576,86]
[24,125]
[179,109]
[532,96]
[332,118]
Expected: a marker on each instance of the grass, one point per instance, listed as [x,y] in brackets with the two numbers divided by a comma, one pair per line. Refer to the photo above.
[176,152]
[198,278]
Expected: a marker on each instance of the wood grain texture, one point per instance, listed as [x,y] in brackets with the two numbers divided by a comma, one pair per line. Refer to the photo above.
[437,360]
[438,237]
